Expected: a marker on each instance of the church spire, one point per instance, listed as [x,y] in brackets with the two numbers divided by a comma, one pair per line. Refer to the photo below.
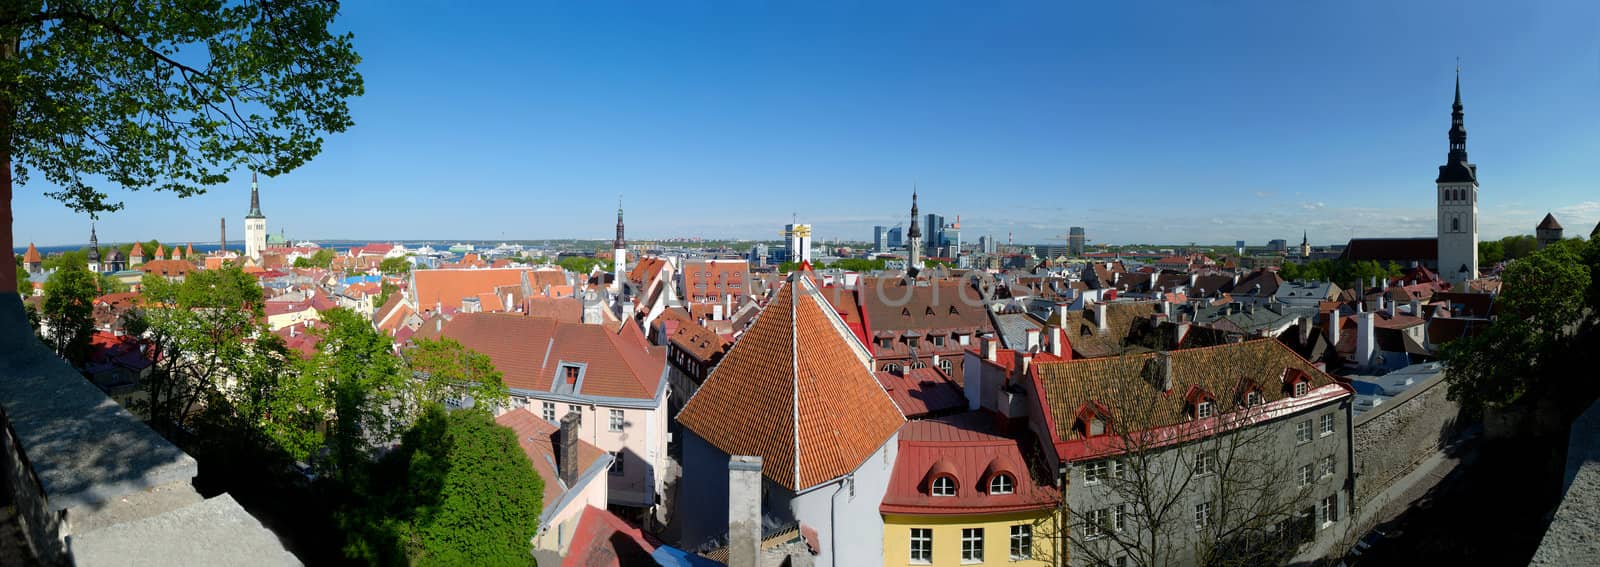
[914,232]
[1456,168]
[255,199]
[619,243]
[94,245]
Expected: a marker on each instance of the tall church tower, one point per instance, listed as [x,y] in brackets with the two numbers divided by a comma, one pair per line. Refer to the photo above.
[619,252]
[913,237]
[1458,203]
[94,251]
[255,224]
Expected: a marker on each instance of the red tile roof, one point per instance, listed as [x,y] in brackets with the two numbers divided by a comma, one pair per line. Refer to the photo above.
[922,391]
[795,360]
[713,279]
[541,441]
[528,350]
[447,287]
[32,255]
[604,540]
[965,448]
[169,268]
[645,269]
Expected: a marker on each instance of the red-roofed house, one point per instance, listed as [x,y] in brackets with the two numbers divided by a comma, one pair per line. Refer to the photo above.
[796,390]
[604,540]
[435,290]
[609,374]
[568,491]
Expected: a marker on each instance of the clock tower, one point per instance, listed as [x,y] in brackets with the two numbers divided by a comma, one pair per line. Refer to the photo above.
[1458,204]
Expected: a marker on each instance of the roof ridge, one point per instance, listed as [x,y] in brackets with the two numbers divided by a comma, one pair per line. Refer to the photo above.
[794,362]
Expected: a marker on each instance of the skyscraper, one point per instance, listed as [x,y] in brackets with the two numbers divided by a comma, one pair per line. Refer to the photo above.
[880,240]
[1075,240]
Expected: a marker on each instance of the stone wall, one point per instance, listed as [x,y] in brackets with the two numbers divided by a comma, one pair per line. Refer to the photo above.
[93,485]
[1570,538]
[1391,439]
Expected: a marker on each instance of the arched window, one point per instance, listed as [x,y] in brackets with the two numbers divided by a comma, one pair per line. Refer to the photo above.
[1455,224]
[919,364]
[944,364]
[1001,484]
[891,367]
[943,486]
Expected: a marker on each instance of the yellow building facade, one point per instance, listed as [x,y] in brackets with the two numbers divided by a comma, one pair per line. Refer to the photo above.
[951,540]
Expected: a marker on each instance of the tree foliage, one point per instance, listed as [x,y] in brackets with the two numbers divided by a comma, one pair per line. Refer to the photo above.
[169,96]
[206,329]
[68,311]
[385,289]
[458,491]
[395,266]
[445,371]
[584,264]
[1546,313]
[1345,273]
[1509,248]
[356,366]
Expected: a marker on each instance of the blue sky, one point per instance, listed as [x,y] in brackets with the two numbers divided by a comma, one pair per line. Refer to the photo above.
[1193,121]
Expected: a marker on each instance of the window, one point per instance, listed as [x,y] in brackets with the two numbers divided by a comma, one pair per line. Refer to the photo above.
[938,341]
[1301,388]
[572,374]
[1094,524]
[1093,472]
[1205,463]
[1455,224]
[1328,509]
[577,409]
[1202,410]
[1021,542]
[1118,520]
[1120,561]
[1327,425]
[943,486]
[891,368]
[1302,432]
[1001,484]
[616,463]
[1252,399]
[972,545]
[1305,475]
[1202,515]
[549,411]
[946,366]
[616,421]
[921,545]
[1327,465]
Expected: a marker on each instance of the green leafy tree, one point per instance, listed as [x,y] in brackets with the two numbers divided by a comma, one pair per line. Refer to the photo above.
[203,327]
[395,266]
[472,496]
[1543,316]
[78,258]
[22,276]
[360,373]
[583,264]
[109,284]
[322,259]
[385,289]
[69,312]
[302,262]
[444,370]
[169,96]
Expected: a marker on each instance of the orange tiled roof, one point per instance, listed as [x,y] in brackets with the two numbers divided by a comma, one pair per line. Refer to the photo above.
[795,360]
[447,287]
[645,269]
[528,352]
[32,255]
[167,267]
[541,442]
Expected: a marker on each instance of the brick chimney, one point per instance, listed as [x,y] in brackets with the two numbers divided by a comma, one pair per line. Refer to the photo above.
[568,451]
[744,511]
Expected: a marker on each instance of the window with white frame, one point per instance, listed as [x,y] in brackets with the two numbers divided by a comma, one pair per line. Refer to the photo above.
[1327,425]
[616,463]
[616,421]
[1116,468]
[1094,524]
[577,409]
[1301,388]
[1094,472]
[1327,465]
[1202,515]
[1021,542]
[1328,509]
[1001,484]
[921,546]
[946,366]
[972,545]
[1306,476]
[1252,398]
[1205,462]
[1302,432]
[549,411]
[1119,517]
[1203,410]
[943,486]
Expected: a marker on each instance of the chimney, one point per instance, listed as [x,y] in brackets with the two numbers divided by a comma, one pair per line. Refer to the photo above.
[1305,329]
[727,306]
[1365,343]
[1100,316]
[1183,331]
[744,511]
[567,456]
[1033,340]
[1058,336]
[1159,371]
[1166,307]
[1193,279]
[1333,326]
[1027,362]
[1416,307]
[991,350]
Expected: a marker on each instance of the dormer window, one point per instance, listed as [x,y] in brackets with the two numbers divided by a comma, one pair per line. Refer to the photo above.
[572,374]
[1296,382]
[1301,389]
[1203,410]
[1201,404]
[1252,399]
[942,486]
[1001,484]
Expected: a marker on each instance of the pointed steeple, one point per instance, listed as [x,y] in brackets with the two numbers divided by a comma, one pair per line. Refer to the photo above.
[255,199]
[1305,238]
[915,231]
[1457,168]
[94,245]
[619,242]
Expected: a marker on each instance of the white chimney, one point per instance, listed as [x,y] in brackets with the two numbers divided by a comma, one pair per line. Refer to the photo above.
[1057,337]
[744,511]
[1365,339]
[1416,308]
[1193,279]
[1100,316]
[1333,326]
[1033,340]
[991,350]
[727,305]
